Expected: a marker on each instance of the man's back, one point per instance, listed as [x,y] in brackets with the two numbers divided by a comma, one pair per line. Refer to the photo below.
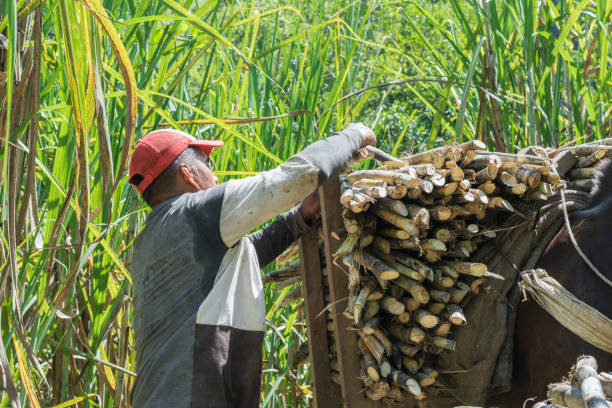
[176,260]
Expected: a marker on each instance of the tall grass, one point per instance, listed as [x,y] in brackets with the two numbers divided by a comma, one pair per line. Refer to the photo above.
[520,72]
[112,69]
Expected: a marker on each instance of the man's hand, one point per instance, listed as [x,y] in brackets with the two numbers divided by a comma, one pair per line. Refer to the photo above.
[310,206]
[368,135]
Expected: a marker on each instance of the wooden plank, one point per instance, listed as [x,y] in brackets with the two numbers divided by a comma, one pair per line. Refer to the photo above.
[346,341]
[326,394]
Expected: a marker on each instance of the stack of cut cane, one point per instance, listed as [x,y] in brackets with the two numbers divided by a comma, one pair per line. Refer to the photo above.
[584,388]
[411,227]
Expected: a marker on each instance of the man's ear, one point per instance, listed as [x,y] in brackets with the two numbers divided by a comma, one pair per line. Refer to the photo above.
[188,175]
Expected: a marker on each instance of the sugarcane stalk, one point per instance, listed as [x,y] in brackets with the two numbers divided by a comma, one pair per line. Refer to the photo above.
[466,197]
[347,191]
[469,268]
[348,245]
[373,345]
[382,245]
[446,189]
[406,349]
[360,303]
[401,222]
[392,305]
[412,335]
[565,395]
[375,192]
[371,310]
[507,166]
[400,268]
[424,380]
[458,292]
[436,307]
[589,384]
[416,290]
[414,193]
[439,295]
[518,189]
[481,161]
[371,325]
[425,270]
[396,291]
[366,238]
[488,187]
[443,234]
[426,319]
[410,364]
[396,206]
[440,213]
[396,192]
[443,342]
[394,233]
[371,365]
[384,340]
[352,298]
[389,177]
[591,159]
[456,316]
[377,391]
[352,222]
[404,381]
[384,158]
[384,368]
[425,169]
[411,303]
[486,174]
[375,265]
[442,329]
[516,158]
[469,174]
[404,317]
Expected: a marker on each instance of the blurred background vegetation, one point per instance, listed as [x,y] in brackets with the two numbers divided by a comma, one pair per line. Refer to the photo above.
[80,81]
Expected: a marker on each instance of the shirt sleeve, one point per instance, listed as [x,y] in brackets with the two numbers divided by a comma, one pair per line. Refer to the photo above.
[272,240]
[251,201]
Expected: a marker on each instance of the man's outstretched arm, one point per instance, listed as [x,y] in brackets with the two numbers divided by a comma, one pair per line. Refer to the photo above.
[252,201]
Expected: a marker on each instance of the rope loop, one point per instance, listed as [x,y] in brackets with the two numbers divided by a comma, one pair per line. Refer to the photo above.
[561,189]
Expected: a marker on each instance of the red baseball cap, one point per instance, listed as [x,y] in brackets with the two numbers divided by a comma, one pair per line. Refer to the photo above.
[157,150]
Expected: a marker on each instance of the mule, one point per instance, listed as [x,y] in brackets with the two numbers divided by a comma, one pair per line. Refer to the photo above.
[544,350]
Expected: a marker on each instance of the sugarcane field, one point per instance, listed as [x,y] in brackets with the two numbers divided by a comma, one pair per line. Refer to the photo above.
[366,204]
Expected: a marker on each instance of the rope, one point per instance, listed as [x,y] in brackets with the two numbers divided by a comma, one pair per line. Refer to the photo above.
[571,235]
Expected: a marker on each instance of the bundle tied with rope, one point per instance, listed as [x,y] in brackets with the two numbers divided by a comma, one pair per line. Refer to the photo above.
[422,237]
[433,244]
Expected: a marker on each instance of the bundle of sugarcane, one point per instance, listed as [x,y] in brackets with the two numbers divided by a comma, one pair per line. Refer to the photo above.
[411,227]
[584,388]
[579,162]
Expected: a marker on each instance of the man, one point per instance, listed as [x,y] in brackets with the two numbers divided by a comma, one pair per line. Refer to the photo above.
[199,307]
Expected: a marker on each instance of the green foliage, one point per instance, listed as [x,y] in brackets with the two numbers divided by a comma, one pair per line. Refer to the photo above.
[511,72]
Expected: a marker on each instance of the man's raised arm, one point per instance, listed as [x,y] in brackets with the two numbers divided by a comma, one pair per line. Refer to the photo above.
[252,201]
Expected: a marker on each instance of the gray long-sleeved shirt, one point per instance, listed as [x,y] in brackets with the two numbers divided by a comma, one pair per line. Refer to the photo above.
[199,307]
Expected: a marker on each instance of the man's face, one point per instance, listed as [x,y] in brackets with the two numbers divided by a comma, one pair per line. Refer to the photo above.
[204,177]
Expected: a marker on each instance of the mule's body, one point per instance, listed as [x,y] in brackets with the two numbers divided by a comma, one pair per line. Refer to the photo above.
[545,350]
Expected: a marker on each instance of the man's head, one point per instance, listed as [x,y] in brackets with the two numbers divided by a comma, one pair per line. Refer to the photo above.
[167,163]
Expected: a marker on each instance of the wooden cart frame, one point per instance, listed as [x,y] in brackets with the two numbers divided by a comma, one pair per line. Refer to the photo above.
[326,393]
